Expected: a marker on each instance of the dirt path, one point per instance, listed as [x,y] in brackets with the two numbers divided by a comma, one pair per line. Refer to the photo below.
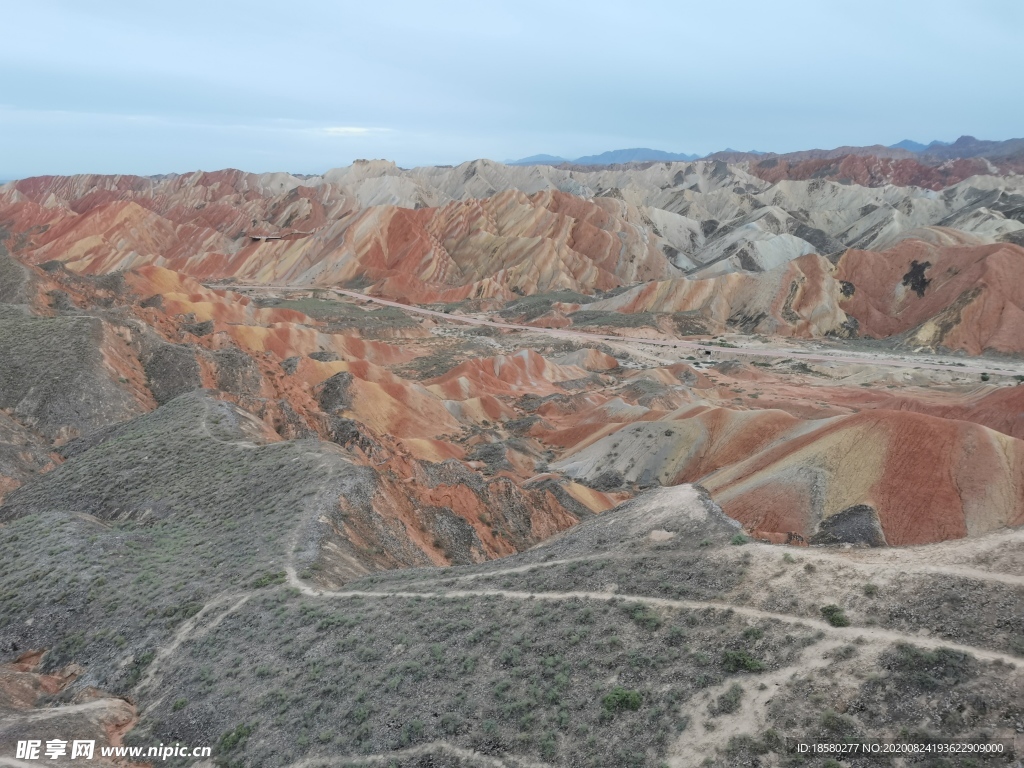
[867,634]
[699,741]
[956,557]
[191,627]
[773,352]
[963,572]
[292,580]
[37,715]
[874,560]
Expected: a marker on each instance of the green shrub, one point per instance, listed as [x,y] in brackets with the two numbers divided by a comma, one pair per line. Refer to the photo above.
[548,746]
[139,664]
[179,704]
[745,743]
[835,616]
[738,540]
[411,731]
[620,699]
[269,579]
[740,661]
[645,617]
[870,590]
[230,740]
[845,652]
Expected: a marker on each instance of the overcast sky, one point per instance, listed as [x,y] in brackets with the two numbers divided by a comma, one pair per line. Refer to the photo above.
[303,86]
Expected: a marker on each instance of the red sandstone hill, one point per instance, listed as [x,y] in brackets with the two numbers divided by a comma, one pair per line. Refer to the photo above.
[918,478]
[474,248]
[889,477]
[875,171]
[782,452]
[959,297]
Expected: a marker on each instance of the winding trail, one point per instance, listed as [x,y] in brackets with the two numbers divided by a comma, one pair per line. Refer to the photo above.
[563,333]
[964,572]
[842,558]
[699,741]
[193,627]
[870,634]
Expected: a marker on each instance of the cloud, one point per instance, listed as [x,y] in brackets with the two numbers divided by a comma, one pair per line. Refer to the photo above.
[351,130]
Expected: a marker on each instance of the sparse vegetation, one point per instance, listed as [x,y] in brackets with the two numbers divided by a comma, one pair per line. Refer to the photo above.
[590,318]
[341,315]
[729,702]
[929,670]
[230,741]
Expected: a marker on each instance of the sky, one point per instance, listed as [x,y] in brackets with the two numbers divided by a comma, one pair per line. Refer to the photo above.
[149,88]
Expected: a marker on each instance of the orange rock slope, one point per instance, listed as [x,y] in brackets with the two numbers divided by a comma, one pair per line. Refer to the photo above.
[27,697]
[958,297]
[201,226]
[429,448]
[892,478]
[924,479]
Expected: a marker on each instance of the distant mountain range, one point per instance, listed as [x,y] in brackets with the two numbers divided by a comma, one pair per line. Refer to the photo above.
[934,151]
[915,146]
[613,157]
